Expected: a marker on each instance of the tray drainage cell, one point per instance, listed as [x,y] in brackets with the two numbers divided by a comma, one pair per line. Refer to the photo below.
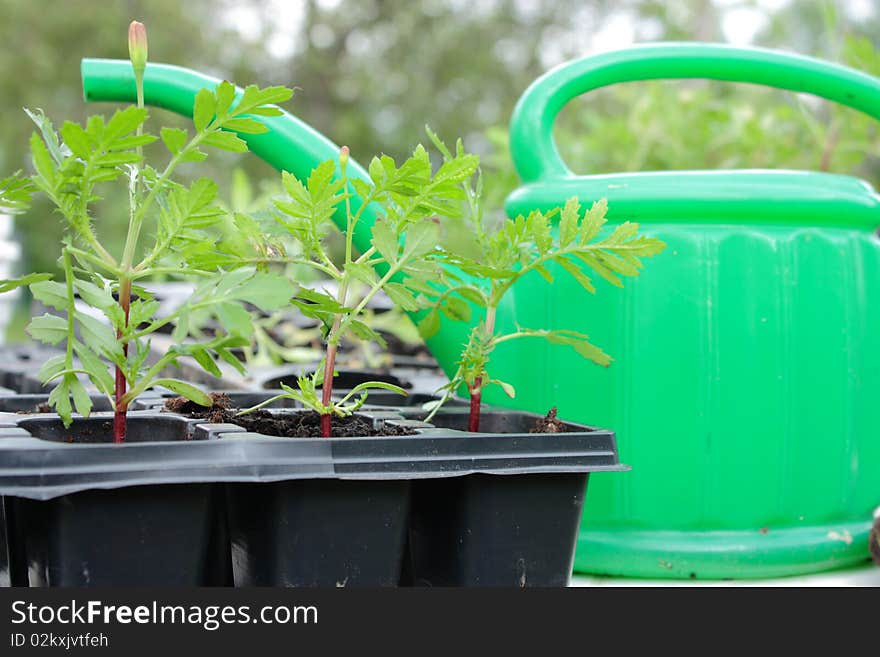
[491,421]
[32,403]
[100,430]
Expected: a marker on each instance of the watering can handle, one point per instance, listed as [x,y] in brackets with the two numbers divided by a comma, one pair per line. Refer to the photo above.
[289,145]
[531,127]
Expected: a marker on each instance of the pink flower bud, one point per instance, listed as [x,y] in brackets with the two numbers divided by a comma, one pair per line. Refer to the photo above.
[137,46]
[343,156]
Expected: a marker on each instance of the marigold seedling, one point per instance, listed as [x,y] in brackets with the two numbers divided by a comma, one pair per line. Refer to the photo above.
[494,258]
[401,260]
[70,166]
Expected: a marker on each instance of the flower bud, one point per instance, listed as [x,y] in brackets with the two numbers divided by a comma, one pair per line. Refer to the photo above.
[137,46]
[343,156]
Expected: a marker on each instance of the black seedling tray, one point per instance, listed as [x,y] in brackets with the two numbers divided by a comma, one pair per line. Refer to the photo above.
[440,507]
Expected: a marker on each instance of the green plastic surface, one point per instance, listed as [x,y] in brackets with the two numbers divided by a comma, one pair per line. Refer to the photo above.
[748,354]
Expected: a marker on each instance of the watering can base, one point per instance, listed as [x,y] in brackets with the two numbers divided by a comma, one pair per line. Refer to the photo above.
[744,554]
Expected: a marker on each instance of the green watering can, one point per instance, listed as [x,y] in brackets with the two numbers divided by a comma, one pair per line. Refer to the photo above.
[748,354]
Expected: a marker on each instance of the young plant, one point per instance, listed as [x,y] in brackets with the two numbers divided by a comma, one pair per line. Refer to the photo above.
[494,258]
[401,259]
[70,167]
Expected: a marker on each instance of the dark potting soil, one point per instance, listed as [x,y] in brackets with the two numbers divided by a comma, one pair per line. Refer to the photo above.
[215,413]
[548,423]
[308,425]
[298,425]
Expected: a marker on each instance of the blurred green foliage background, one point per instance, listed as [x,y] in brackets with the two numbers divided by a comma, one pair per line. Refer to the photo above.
[372,73]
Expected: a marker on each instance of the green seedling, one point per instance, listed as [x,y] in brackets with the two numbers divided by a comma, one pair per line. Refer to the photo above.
[492,258]
[70,167]
[401,261]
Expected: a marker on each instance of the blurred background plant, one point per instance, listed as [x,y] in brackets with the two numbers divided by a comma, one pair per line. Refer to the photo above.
[372,73]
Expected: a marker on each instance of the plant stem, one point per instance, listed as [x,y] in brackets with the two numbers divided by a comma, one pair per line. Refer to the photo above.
[476,390]
[327,387]
[121,407]
[476,396]
[330,362]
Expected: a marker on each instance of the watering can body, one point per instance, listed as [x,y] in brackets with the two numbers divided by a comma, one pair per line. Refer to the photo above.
[748,371]
[747,355]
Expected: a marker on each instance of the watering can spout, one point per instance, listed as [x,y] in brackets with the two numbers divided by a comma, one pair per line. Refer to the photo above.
[289,145]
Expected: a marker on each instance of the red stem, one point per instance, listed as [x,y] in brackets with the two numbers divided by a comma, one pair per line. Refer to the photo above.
[327,389]
[121,410]
[474,417]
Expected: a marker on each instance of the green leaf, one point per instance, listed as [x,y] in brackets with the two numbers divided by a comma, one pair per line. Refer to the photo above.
[226,141]
[15,194]
[48,329]
[361,188]
[80,395]
[133,141]
[235,319]
[373,385]
[201,193]
[203,358]
[458,169]
[185,389]
[267,110]
[577,273]
[429,325]
[123,122]
[141,311]
[43,162]
[401,296]
[376,171]
[568,222]
[225,93]
[422,238]
[182,326]
[363,273]
[59,399]
[456,309]
[193,155]
[320,179]
[49,139]
[96,297]
[267,291]
[203,109]
[593,221]
[76,139]
[50,293]
[580,343]
[364,332]
[545,274]
[592,259]
[508,389]
[9,284]
[116,159]
[51,368]
[174,139]
[473,295]
[97,336]
[246,126]
[229,358]
[385,241]
[97,369]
